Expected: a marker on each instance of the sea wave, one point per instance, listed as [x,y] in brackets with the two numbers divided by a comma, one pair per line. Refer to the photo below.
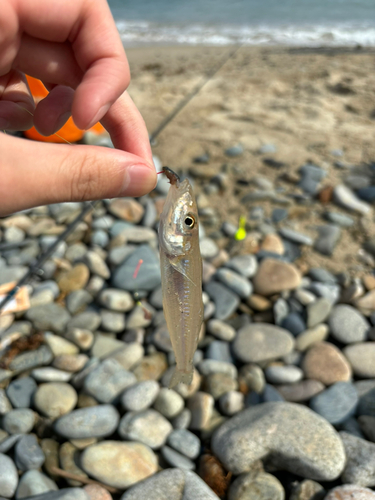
[350,35]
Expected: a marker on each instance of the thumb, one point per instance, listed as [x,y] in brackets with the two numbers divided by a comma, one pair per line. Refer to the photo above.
[35,173]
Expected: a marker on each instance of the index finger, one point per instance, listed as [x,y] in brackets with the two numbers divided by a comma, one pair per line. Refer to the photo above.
[89,26]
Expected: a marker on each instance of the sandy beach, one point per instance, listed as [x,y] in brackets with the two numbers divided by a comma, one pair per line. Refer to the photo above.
[314,105]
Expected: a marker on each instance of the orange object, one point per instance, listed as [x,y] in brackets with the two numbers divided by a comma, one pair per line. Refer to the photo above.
[68,132]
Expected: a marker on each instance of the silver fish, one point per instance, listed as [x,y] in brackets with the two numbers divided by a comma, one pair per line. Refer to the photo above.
[181,274]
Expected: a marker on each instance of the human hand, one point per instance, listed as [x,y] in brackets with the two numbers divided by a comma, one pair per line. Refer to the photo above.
[74,48]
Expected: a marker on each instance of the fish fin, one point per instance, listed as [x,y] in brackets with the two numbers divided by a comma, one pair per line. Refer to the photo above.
[176,264]
[179,376]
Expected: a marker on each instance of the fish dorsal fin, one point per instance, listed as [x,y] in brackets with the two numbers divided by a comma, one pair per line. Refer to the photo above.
[176,263]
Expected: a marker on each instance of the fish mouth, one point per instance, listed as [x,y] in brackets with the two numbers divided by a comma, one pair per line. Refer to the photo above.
[174,179]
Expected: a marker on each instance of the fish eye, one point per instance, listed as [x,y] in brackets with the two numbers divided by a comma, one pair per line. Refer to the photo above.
[189,221]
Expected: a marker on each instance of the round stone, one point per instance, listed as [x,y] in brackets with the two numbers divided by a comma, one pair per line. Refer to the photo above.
[8,476]
[361,357]
[97,492]
[185,442]
[231,402]
[360,465]
[97,421]
[48,317]
[226,302]
[34,483]
[313,448]
[70,362]
[337,403]
[218,384]
[20,392]
[75,279]
[235,282]
[259,342]
[18,421]
[324,362]
[148,276]
[201,406]
[169,403]
[175,459]
[119,464]
[252,485]
[350,492]
[311,336]
[275,276]
[246,265]
[169,484]
[140,396]
[348,325]
[55,399]
[301,391]
[318,311]
[116,300]
[126,209]
[59,345]
[221,330]
[283,374]
[148,427]
[28,454]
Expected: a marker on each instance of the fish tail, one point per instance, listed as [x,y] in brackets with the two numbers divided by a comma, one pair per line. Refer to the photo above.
[183,376]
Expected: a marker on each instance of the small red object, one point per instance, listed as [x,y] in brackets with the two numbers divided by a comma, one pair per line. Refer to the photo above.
[140,262]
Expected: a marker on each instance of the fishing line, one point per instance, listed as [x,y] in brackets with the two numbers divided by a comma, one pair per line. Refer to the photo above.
[36,268]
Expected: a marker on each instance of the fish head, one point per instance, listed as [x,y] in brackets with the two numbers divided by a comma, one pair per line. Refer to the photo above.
[179,220]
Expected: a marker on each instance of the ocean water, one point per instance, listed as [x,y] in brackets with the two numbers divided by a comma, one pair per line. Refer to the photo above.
[309,23]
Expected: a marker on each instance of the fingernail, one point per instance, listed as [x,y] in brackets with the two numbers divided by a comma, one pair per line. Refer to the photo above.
[99,115]
[62,120]
[139,179]
[4,124]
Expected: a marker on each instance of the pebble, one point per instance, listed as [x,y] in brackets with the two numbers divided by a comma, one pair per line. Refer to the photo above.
[361,357]
[246,265]
[348,325]
[318,452]
[339,219]
[337,403]
[5,404]
[311,336]
[328,237]
[262,486]
[218,384]
[28,454]
[261,342]
[300,392]
[140,317]
[221,330]
[295,236]
[116,300]
[97,492]
[208,248]
[219,351]
[350,492]
[231,402]
[267,149]
[274,244]
[18,421]
[360,465]
[226,302]
[151,367]
[78,300]
[119,464]
[129,356]
[97,265]
[235,282]
[104,345]
[169,403]
[148,277]
[20,392]
[8,442]
[48,317]
[185,442]
[8,476]
[346,198]
[318,312]
[182,421]
[59,345]
[235,151]
[140,396]
[106,382]
[70,362]
[367,425]
[55,399]
[75,279]
[326,363]
[168,484]
[33,483]
[208,366]
[87,320]
[283,374]
[126,209]
[97,421]
[68,457]
[279,214]
[201,406]
[294,323]
[274,276]
[175,459]
[148,427]
[366,304]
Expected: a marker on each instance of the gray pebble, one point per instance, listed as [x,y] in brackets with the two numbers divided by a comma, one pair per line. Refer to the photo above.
[221,330]
[97,421]
[238,284]
[175,459]
[231,402]
[148,277]
[140,396]
[117,255]
[280,311]
[326,290]
[283,374]
[28,454]
[252,486]
[112,321]
[318,312]
[54,399]
[116,300]
[361,357]
[328,237]
[295,236]
[226,302]
[346,198]
[5,404]
[168,484]
[148,427]
[49,374]
[150,215]
[63,494]
[246,265]
[322,275]
[87,320]
[78,300]
[185,442]
[294,323]
[183,419]
[100,238]
[339,219]
[48,317]
[19,421]
[220,351]
[348,325]
[9,442]
[235,151]
[33,483]
[20,392]
[317,449]
[97,265]
[208,248]
[367,426]
[169,403]
[337,403]
[360,465]
[8,476]
[268,149]
[108,380]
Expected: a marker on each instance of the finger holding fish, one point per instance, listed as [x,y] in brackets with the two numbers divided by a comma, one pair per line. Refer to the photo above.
[181,274]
